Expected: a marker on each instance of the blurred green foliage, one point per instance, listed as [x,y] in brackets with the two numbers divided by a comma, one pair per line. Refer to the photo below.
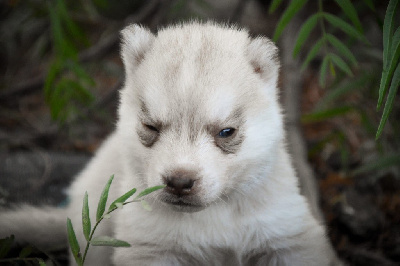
[67,81]
[336,53]
[354,64]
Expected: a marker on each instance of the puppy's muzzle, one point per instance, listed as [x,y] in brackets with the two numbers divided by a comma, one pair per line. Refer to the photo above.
[181,182]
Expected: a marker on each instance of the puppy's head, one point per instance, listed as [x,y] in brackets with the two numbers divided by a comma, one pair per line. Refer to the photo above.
[199,112]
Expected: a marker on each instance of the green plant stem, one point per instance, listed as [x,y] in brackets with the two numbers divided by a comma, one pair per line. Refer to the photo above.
[95,226]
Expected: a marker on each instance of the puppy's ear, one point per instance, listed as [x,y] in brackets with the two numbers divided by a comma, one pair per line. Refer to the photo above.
[136,41]
[263,55]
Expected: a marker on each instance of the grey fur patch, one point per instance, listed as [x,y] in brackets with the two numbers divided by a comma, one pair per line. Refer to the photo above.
[231,144]
[146,136]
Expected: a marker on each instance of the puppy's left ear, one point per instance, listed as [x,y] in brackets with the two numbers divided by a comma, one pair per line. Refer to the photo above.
[136,41]
[263,55]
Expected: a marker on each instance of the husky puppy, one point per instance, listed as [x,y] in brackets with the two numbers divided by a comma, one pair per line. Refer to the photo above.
[199,113]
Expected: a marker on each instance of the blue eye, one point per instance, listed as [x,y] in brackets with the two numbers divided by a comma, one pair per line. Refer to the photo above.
[226,132]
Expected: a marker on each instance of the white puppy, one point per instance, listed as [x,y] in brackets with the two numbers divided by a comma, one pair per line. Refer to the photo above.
[199,113]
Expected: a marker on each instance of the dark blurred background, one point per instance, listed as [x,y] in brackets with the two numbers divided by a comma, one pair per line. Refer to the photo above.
[60,72]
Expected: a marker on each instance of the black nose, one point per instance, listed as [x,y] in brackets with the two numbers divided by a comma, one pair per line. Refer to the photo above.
[179,186]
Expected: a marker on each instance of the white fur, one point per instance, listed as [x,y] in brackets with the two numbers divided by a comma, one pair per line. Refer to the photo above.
[191,76]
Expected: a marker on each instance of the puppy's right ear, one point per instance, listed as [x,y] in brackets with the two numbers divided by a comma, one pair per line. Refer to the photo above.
[136,41]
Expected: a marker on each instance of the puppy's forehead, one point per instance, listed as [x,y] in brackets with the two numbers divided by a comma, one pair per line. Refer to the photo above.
[214,106]
[202,70]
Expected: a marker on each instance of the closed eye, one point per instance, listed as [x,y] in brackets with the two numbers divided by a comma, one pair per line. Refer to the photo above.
[151,128]
[226,132]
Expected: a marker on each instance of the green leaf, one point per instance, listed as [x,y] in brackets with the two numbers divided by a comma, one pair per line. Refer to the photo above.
[81,73]
[342,89]
[304,32]
[370,4]
[41,262]
[274,5]
[348,8]
[332,69]
[387,73]
[323,69]
[390,100]
[108,241]
[326,114]
[290,12]
[5,245]
[122,199]
[86,225]
[25,252]
[52,74]
[344,26]
[341,47]
[312,53]
[146,205]
[380,163]
[149,190]
[388,29]
[79,93]
[341,64]
[71,26]
[103,199]
[73,242]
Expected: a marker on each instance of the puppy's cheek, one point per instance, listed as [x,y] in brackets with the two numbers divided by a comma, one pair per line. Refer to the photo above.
[212,184]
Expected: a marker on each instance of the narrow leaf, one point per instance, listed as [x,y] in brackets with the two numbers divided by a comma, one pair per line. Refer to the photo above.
[370,4]
[81,73]
[390,100]
[312,53]
[73,242]
[348,8]
[86,225]
[304,32]
[69,24]
[122,199]
[380,163]
[323,69]
[387,73]
[290,12]
[341,64]
[54,71]
[149,190]
[108,241]
[25,252]
[388,29]
[326,114]
[146,205]
[344,26]
[341,47]
[103,199]
[342,89]
[5,245]
[41,262]
[274,5]
[332,69]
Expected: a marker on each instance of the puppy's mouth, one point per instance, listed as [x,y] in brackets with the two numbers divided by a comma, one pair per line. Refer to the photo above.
[182,204]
